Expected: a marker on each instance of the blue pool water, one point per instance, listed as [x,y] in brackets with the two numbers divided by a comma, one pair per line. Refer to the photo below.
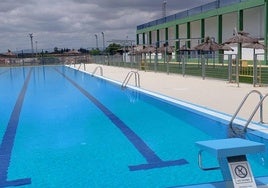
[64,128]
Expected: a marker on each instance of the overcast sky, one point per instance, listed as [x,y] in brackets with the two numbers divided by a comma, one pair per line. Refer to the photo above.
[74,23]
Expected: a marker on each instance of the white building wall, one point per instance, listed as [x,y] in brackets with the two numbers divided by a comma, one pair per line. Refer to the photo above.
[171,36]
[195,32]
[154,37]
[254,22]
[229,22]
[147,38]
[140,38]
[162,36]
[183,31]
[211,27]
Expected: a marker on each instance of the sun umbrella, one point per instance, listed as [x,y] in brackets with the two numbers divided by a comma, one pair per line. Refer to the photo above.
[136,50]
[225,47]
[184,48]
[10,54]
[72,52]
[254,45]
[148,49]
[241,37]
[208,45]
[168,49]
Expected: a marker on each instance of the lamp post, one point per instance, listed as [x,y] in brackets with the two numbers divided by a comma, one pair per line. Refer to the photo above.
[97,45]
[103,44]
[36,48]
[31,37]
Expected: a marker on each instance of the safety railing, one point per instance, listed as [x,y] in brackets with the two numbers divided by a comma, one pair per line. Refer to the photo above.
[81,65]
[129,75]
[258,106]
[96,69]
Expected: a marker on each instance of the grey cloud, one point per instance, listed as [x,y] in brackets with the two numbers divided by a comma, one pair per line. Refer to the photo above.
[75,22]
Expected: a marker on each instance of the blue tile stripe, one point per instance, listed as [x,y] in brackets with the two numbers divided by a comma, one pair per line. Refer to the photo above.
[153,160]
[3,72]
[9,138]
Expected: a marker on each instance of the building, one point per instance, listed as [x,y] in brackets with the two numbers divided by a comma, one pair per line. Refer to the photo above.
[218,19]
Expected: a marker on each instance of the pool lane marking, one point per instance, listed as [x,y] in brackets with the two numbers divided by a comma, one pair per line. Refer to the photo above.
[153,160]
[9,138]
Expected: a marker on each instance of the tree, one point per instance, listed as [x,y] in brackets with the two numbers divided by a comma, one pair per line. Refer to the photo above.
[94,51]
[83,50]
[56,50]
[113,48]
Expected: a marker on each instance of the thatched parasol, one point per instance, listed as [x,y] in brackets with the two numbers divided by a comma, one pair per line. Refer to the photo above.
[241,37]
[167,49]
[10,54]
[184,48]
[254,45]
[149,49]
[225,47]
[136,50]
[72,52]
[208,45]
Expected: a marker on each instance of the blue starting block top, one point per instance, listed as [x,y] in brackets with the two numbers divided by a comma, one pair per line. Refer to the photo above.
[230,147]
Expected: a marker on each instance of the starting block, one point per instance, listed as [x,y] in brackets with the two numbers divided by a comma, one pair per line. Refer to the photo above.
[231,155]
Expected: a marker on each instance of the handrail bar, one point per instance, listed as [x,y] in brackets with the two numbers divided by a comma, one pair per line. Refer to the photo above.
[95,70]
[80,66]
[259,105]
[129,75]
[242,103]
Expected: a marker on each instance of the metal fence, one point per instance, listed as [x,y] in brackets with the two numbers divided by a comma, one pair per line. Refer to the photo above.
[211,65]
[52,60]
[220,66]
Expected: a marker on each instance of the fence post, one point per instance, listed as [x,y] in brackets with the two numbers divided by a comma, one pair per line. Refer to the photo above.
[203,64]
[155,61]
[167,66]
[237,70]
[230,72]
[183,65]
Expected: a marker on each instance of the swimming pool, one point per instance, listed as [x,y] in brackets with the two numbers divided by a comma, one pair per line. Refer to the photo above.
[64,128]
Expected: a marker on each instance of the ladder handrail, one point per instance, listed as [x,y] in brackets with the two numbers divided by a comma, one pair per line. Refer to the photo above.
[259,105]
[95,70]
[80,66]
[129,75]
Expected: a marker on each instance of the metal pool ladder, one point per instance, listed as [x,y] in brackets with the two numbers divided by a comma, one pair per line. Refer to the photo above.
[259,105]
[129,75]
[95,70]
[80,66]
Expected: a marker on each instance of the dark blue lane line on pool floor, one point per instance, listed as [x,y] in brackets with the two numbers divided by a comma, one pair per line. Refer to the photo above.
[9,138]
[153,160]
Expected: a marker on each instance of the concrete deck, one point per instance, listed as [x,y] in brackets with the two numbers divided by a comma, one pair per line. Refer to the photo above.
[214,94]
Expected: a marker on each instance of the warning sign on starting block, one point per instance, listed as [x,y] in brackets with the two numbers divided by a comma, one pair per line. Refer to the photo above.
[241,174]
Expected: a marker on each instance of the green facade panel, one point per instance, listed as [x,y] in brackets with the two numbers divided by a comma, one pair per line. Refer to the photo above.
[204,15]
